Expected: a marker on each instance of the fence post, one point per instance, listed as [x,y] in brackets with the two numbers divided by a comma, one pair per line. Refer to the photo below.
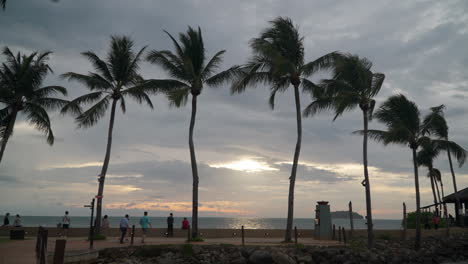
[133,234]
[405,223]
[59,253]
[339,233]
[41,246]
[188,235]
[295,235]
[243,238]
[344,235]
[334,232]
[351,221]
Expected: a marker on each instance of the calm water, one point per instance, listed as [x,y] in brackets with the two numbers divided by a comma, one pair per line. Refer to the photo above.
[214,222]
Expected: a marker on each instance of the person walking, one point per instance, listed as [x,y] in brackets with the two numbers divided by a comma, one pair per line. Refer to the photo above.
[185,224]
[17,222]
[170,225]
[105,225]
[124,225]
[65,224]
[435,221]
[6,220]
[145,223]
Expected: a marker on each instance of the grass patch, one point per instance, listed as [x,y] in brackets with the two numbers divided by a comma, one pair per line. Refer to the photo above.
[187,250]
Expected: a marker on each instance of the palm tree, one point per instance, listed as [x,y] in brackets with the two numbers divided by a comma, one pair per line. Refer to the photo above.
[21,77]
[278,60]
[402,118]
[437,126]
[114,79]
[189,71]
[353,84]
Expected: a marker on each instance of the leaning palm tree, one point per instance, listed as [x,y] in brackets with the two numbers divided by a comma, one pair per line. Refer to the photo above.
[115,78]
[21,77]
[353,84]
[437,126]
[278,61]
[402,118]
[189,71]
[425,157]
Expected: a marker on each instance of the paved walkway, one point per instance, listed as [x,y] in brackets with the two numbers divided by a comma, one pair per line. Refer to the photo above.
[22,252]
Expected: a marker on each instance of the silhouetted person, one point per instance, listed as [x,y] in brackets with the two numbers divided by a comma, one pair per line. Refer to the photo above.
[124,225]
[65,224]
[185,224]
[435,221]
[6,219]
[17,222]
[170,225]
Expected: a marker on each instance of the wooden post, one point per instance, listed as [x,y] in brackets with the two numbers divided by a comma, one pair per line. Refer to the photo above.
[351,223]
[344,234]
[188,235]
[405,223]
[41,246]
[334,232]
[339,233]
[91,226]
[133,234]
[243,238]
[295,235]
[59,253]
[447,230]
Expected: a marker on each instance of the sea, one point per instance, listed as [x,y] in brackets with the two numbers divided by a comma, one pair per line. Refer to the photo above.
[213,222]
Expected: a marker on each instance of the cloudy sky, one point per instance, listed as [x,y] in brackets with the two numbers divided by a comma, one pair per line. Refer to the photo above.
[244,148]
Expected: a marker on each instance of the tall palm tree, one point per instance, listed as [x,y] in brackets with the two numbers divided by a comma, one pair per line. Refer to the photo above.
[189,71]
[437,126]
[115,78]
[21,78]
[404,126]
[278,61]
[353,84]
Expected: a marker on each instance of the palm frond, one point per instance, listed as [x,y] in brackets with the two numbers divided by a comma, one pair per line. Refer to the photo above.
[99,65]
[225,76]
[122,104]
[91,116]
[250,77]
[38,117]
[178,97]
[138,93]
[51,90]
[169,62]
[164,85]
[212,65]
[323,63]
[92,81]
[317,106]
[51,103]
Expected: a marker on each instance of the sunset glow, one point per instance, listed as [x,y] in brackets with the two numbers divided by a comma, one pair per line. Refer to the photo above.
[247,165]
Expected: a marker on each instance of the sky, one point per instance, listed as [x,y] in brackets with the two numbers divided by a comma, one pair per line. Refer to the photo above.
[244,149]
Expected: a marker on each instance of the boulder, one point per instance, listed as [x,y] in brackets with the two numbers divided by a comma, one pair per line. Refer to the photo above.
[260,257]
[282,258]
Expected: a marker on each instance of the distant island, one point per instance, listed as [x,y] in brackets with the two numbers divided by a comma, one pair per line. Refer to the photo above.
[345,214]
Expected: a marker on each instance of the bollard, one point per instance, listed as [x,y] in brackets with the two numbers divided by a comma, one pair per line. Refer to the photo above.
[344,235]
[404,221]
[243,239]
[295,235]
[188,235]
[339,233]
[133,234]
[59,253]
[334,232]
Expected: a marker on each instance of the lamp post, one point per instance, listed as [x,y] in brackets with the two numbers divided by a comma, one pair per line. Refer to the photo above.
[91,228]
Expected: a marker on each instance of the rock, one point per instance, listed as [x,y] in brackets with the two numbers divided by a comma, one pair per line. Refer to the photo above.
[260,257]
[281,258]
[307,259]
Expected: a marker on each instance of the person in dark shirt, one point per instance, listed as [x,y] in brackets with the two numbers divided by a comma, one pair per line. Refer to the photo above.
[6,220]
[170,225]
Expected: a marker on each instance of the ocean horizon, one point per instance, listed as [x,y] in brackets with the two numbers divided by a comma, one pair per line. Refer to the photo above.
[211,222]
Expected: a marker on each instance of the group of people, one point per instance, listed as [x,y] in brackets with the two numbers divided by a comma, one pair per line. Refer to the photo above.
[145,224]
[16,222]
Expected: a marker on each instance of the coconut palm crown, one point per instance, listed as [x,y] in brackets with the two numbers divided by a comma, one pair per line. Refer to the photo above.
[352,84]
[115,78]
[278,61]
[189,72]
[21,92]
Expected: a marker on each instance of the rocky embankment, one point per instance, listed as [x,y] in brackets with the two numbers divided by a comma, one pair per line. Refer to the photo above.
[434,250]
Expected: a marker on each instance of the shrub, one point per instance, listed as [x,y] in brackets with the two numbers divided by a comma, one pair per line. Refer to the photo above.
[425,216]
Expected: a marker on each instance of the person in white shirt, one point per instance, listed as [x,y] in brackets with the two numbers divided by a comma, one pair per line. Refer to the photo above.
[65,223]
[124,225]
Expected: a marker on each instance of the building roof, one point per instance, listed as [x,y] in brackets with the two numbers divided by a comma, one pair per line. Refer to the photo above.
[462,195]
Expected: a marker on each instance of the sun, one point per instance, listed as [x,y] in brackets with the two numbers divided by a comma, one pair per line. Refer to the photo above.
[247,165]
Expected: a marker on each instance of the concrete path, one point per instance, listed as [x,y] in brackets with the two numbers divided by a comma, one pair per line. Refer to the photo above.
[22,252]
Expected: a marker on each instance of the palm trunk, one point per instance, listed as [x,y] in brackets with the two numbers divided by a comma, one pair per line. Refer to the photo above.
[7,133]
[417,243]
[292,179]
[370,227]
[105,165]
[438,196]
[457,202]
[193,162]
[433,188]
